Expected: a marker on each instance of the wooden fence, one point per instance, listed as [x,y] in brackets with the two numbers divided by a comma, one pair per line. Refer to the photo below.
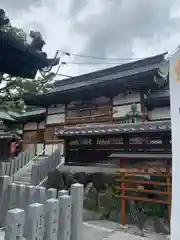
[128,182]
[38,213]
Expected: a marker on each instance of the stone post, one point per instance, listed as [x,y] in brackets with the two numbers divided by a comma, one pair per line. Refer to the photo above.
[2,169]
[77,211]
[35,222]
[15,164]
[40,195]
[15,224]
[20,196]
[12,168]
[23,159]
[62,193]
[51,219]
[5,181]
[34,174]
[64,229]
[29,198]
[7,169]
[12,196]
[51,193]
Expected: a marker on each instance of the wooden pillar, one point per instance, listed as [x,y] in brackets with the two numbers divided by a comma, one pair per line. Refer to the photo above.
[143,109]
[66,150]
[45,125]
[94,149]
[123,203]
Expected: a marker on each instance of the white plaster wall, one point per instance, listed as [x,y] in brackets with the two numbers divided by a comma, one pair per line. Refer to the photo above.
[56,118]
[59,108]
[39,148]
[130,97]
[41,125]
[159,113]
[50,148]
[30,126]
[121,111]
[61,146]
[160,93]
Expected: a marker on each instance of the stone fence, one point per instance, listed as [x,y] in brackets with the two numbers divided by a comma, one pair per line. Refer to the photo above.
[12,167]
[39,213]
[40,169]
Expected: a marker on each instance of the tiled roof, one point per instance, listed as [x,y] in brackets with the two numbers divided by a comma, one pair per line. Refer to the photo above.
[4,134]
[5,116]
[34,112]
[128,75]
[157,126]
[122,71]
[109,71]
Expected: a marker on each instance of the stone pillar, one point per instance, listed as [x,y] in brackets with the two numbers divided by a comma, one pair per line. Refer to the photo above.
[51,193]
[40,195]
[34,174]
[7,169]
[4,183]
[15,164]
[2,169]
[62,193]
[35,222]
[15,224]
[64,229]
[20,196]
[51,219]
[12,168]
[77,211]
[29,198]
[12,196]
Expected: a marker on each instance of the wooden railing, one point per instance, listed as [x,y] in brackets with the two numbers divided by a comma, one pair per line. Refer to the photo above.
[127,183]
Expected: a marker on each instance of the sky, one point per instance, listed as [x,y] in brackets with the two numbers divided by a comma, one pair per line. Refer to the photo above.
[117,30]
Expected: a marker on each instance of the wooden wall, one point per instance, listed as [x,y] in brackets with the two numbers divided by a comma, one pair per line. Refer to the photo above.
[99,110]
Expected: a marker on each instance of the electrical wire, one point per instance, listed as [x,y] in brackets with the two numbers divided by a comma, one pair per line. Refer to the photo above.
[92,63]
[64,75]
[94,57]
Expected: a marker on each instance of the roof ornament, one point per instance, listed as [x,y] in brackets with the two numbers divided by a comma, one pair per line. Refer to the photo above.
[3,19]
[37,41]
[37,45]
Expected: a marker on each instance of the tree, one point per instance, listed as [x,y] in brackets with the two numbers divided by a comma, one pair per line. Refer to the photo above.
[13,89]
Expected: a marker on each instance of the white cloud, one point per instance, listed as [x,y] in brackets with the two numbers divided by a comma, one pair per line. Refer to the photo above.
[116,28]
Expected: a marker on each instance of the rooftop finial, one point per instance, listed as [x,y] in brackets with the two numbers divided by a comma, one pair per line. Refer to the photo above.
[37,40]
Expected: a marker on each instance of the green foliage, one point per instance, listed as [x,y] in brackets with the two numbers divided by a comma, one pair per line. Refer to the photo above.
[13,89]
[14,33]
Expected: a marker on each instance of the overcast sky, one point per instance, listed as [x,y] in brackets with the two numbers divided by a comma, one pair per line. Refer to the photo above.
[102,28]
